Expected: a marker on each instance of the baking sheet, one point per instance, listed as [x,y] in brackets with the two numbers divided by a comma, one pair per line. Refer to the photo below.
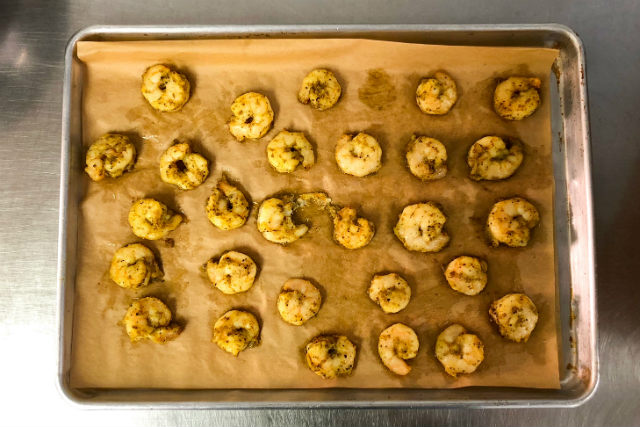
[221,70]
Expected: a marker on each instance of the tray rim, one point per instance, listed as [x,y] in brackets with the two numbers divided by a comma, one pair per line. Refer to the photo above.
[196,31]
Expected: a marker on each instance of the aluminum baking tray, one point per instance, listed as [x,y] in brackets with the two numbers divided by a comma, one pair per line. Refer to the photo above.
[574,239]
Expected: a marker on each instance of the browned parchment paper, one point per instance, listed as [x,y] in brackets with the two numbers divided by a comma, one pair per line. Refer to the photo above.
[223,69]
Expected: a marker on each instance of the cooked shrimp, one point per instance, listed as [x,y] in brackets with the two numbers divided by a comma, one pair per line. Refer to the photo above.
[396,344]
[165,89]
[227,207]
[358,155]
[427,158]
[252,116]
[298,301]
[349,230]
[331,356]
[467,275]
[516,316]
[150,318]
[436,95]
[149,219]
[390,291]
[320,89]
[134,266]
[290,150]
[235,331]
[233,273]
[458,351]
[420,228]
[182,168]
[517,97]
[494,158]
[318,199]
[510,222]
[110,155]
[275,222]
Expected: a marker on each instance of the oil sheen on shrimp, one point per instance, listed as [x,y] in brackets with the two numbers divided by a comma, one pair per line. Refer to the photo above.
[510,222]
[276,224]
[494,158]
[397,344]
[320,89]
[420,227]
[358,155]
[111,155]
[459,351]
[467,275]
[330,356]
[517,98]
[150,318]
[232,273]
[235,331]
[516,316]
[289,151]
[427,158]
[298,301]
[349,230]
[436,95]
[390,291]
[227,207]
[165,90]
[181,167]
[134,266]
[252,116]
[149,219]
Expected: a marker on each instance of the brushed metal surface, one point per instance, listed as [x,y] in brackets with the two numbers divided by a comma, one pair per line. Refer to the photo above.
[32,38]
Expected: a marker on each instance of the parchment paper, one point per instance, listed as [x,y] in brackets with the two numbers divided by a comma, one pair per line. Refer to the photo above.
[220,70]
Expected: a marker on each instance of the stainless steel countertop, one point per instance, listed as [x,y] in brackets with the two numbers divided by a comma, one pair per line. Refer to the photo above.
[32,39]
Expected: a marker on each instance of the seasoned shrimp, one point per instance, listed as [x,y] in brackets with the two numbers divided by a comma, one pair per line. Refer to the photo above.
[320,89]
[517,97]
[227,207]
[182,168]
[458,351]
[420,228]
[149,219]
[275,222]
[427,158]
[390,291]
[436,95]
[516,316]
[331,356]
[150,318]
[467,275]
[358,155]
[349,230]
[165,89]
[510,222]
[252,116]
[298,301]
[134,266]
[396,344]
[494,158]
[235,331]
[233,273]
[110,155]
[290,150]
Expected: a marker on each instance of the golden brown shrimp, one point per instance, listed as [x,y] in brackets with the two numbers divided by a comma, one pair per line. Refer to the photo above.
[349,230]
[358,155]
[427,158]
[436,95]
[517,98]
[165,89]
[331,356]
[252,116]
[134,266]
[320,89]
[516,316]
[150,318]
[275,222]
[494,158]
[458,351]
[390,291]
[510,222]
[397,344]
[235,331]
[234,272]
[420,228]
[298,301]
[183,168]
[110,155]
[289,151]
[149,219]
[467,275]
[227,207]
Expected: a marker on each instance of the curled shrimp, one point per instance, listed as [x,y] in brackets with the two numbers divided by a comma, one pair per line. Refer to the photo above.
[390,291]
[183,168]
[110,155]
[236,330]
[459,351]
[420,227]
[252,116]
[227,207]
[517,98]
[289,151]
[149,219]
[330,356]
[358,155]
[467,275]
[397,344]
[298,301]
[494,158]
[516,316]
[232,273]
[510,222]
[165,89]
[427,158]
[436,95]
[349,230]
[275,222]
[320,89]
[134,266]
[150,318]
